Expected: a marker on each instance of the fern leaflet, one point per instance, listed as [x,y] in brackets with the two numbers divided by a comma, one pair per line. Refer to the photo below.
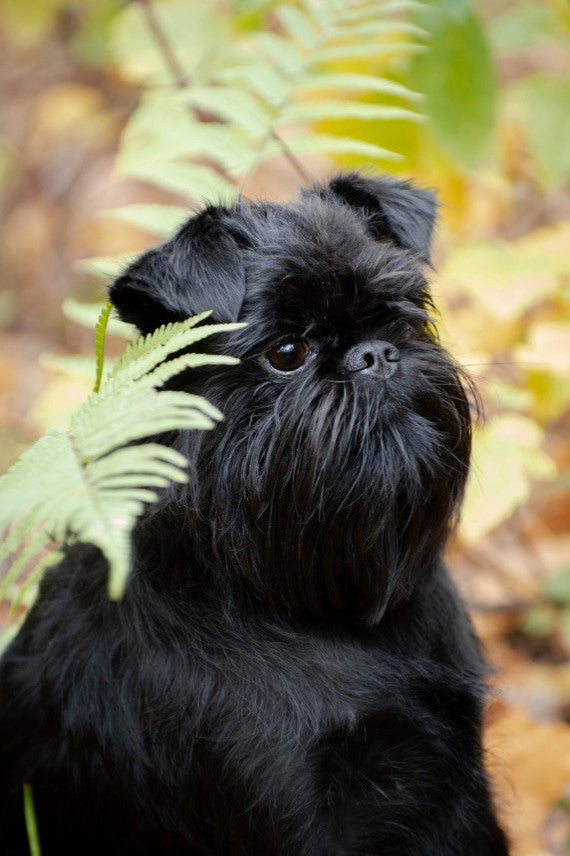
[87,484]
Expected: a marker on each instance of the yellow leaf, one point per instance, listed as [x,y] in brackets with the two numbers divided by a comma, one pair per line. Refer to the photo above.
[548,347]
[26,23]
[506,455]
[552,242]
[504,280]
[551,393]
[535,756]
[470,330]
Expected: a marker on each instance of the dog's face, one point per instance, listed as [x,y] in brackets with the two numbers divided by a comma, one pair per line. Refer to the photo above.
[333,482]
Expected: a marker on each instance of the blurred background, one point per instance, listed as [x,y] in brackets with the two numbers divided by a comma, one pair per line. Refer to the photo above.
[147,108]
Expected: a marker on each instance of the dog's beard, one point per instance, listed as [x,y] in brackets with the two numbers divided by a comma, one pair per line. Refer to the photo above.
[333,496]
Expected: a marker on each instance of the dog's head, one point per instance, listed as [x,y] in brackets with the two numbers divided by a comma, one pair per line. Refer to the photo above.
[333,482]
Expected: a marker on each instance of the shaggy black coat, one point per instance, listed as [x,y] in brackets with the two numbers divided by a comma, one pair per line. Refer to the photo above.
[291,671]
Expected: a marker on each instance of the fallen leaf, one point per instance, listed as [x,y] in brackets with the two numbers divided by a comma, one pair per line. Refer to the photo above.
[530,764]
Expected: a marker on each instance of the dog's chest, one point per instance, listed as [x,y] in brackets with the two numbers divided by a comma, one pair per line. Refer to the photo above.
[274,703]
[286,723]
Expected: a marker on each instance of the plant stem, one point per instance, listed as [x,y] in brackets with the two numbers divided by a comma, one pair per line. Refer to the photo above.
[31,822]
[163,44]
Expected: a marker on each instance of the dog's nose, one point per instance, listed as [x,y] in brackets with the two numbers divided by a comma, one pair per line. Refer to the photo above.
[379,358]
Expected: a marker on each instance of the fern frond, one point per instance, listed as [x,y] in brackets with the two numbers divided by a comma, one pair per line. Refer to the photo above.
[72,365]
[348,110]
[357,83]
[266,81]
[255,98]
[105,266]
[87,315]
[205,183]
[145,353]
[299,25]
[231,104]
[155,218]
[88,485]
[368,10]
[356,50]
[286,56]
[324,143]
[354,31]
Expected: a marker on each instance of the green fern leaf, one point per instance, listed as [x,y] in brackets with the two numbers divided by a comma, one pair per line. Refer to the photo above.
[299,25]
[88,485]
[71,365]
[281,53]
[267,81]
[144,354]
[328,143]
[199,182]
[356,50]
[166,128]
[372,9]
[105,267]
[356,83]
[154,218]
[231,104]
[87,315]
[348,109]
[222,144]
[160,128]
[355,31]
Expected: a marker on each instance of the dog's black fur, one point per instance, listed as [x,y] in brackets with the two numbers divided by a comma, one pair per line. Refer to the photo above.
[291,670]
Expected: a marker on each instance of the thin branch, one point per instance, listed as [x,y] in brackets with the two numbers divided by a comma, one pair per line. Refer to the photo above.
[170,58]
[182,81]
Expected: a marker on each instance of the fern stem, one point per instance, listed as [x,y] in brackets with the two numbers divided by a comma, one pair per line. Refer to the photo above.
[182,81]
[164,46]
[295,162]
[100,329]
[31,822]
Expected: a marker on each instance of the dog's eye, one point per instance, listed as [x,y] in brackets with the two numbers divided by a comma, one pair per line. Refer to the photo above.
[289,355]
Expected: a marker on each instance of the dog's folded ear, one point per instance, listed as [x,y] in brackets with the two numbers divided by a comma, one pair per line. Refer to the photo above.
[200,268]
[392,208]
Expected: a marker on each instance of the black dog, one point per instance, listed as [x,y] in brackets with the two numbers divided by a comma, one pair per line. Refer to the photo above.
[291,670]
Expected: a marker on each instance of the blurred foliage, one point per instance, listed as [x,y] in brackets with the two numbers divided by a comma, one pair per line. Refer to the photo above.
[542,102]
[85,24]
[461,66]
[551,620]
[506,316]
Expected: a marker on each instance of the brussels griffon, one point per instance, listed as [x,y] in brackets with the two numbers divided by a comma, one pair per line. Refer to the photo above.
[291,671]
